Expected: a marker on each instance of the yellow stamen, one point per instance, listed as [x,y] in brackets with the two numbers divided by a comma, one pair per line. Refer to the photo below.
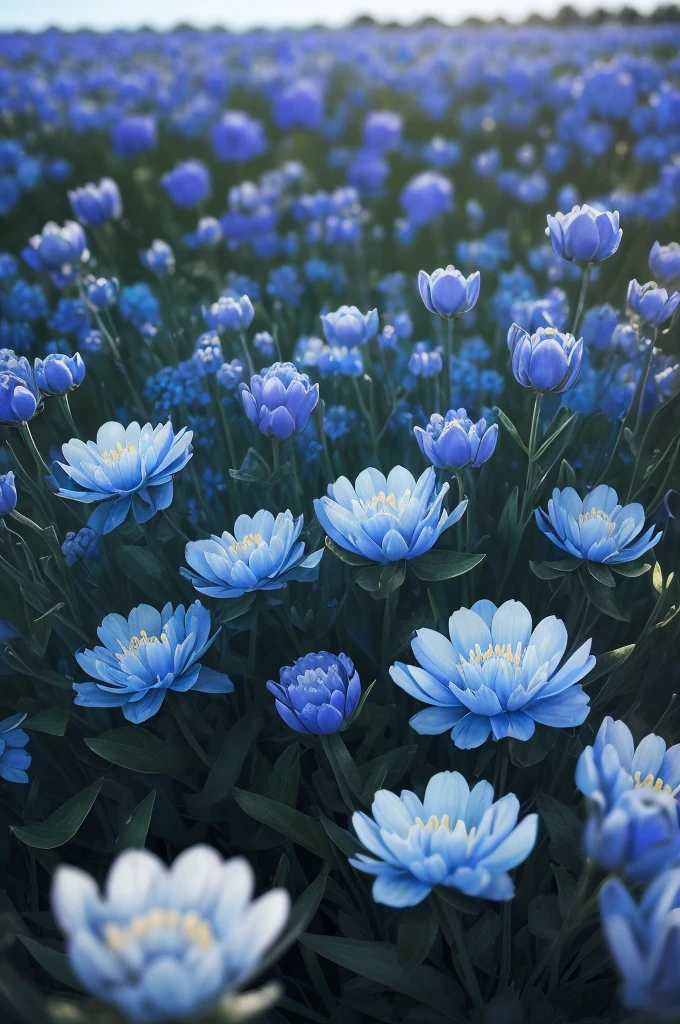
[649,780]
[478,656]
[195,929]
[250,541]
[136,643]
[113,455]
[593,513]
[380,499]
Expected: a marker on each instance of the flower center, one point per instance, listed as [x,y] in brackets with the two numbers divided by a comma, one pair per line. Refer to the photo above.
[112,455]
[245,546]
[504,651]
[195,929]
[136,643]
[656,784]
[593,513]
[373,504]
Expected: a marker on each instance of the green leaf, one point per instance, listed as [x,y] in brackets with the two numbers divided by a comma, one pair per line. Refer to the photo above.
[379,962]
[227,768]
[544,917]
[131,747]
[381,580]
[418,929]
[63,824]
[564,829]
[543,571]
[512,430]
[566,888]
[56,964]
[234,608]
[481,935]
[608,663]
[601,574]
[509,518]
[553,437]
[567,476]
[357,711]
[135,829]
[632,569]
[293,824]
[346,556]
[143,568]
[344,840]
[525,753]
[375,778]
[301,916]
[443,565]
[344,769]
[565,564]
[603,597]
[253,470]
[52,722]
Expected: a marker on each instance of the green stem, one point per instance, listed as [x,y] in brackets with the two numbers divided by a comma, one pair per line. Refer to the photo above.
[450,916]
[639,397]
[585,279]
[68,415]
[447,363]
[25,521]
[246,354]
[369,419]
[28,440]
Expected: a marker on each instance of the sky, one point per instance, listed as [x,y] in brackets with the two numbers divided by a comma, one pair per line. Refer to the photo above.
[237,15]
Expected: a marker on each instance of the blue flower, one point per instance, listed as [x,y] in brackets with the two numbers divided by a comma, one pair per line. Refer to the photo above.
[598,326]
[339,361]
[208,232]
[126,468]
[229,313]
[101,292]
[496,675]
[263,553]
[382,130]
[643,939]
[454,441]
[134,135]
[338,421]
[423,363]
[96,204]
[349,327]
[585,235]
[57,249]
[59,373]
[653,304]
[639,834]
[318,693]
[596,528]
[8,493]
[230,374]
[447,292]
[14,760]
[548,360]
[188,184]
[19,393]
[426,197]
[83,545]
[664,261]
[164,943]
[158,258]
[280,400]
[237,137]
[386,520]
[264,344]
[456,837]
[146,655]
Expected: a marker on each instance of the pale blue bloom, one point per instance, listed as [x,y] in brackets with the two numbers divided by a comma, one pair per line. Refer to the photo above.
[146,655]
[455,837]
[163,943]
[348,326]
[126,468]
[652,303]
[263,553]
[585,235]
[638,835]
[596,528]
[495,675]
[386,519]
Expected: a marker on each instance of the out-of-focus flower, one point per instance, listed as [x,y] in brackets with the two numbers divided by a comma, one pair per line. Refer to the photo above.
[146,655]
[229,375]
[598,326]
[101,292]
[229,314]
[58,373]
[279,400]
[382,130]
[340,361]
[426,197]
[126,468]
[19,392]
[639,834]
[164,943]
[188,184]
[386,519]
[263,553]
[318,693]
[455,837]
[596,528]
[238,138]
[8,493]
[643,938]
[299,105]
[338,421]
[585,235]
[57,249]
[208,232]
[495,676]
[348,326]
[664,261]
[447,292]
[653,304]
[548,361]
[96,204]
[81,546]
[158,258]
[423,363]
[264,344]
[134,135]
[454,441]
[14,759]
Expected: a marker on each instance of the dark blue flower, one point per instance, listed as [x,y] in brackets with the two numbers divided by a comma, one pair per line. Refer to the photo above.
[8,493]
[159,258]
[58,249]
[101,292]
[585,235]
[651,303]
[134,135]
[279,400]
[318,693]
[96,204]
[188,184]
[14,759]
[59,373]
[83,545]
[548,361]
[639,834]
[19,392]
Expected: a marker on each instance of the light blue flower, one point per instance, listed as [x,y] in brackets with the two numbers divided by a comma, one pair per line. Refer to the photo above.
[146,655]
[596,528]
[386,519]
[163,943]
[652,303]
[455,837]
[126,468]
[263,553]
[643,939]
[348,326]
[447,292]
[496,675]
[585,235]
[14,760]
[454,441]
[638,835]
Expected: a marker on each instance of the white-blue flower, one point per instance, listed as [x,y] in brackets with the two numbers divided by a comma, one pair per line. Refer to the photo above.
[162,943]
[495,675]
[455,837]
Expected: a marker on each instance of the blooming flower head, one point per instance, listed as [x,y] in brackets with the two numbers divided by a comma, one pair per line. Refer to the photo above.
[263,553]
[664,261]
[548,361]
[57,249]
[456,837]
[447,292]
[188,184]
[585,235]
[454,441]
[638,835]
[164,943]
[101,292]
[8,493]
[653,304]
[643,938]
[14,759]
[495,675]
[158,258]
[229,374]
[318,693]
[229,314]
[280,400]
[96,204]
[386,519]
[19,393]
[125,468]
[348,326]
[596,528]
[59,373]
[146,655]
